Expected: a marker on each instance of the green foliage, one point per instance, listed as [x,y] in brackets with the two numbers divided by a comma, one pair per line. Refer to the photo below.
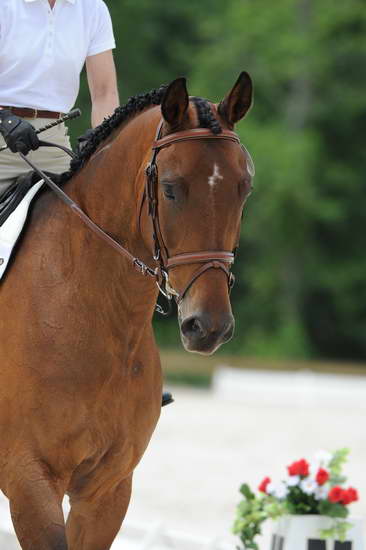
[332,509]
[339,459]
[301,260]
[247,492]
[186,378]
[252,512]
[337,532]
[300,270]
[297,502]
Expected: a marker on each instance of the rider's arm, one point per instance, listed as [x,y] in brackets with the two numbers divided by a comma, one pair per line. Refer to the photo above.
[102,81]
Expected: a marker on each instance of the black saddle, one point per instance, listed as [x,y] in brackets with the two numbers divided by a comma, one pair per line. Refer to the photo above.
[13,196]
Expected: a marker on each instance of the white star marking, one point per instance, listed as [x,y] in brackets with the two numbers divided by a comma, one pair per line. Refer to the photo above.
[216,176]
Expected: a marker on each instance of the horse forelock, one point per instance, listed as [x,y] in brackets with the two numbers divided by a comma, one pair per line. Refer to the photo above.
[206,116]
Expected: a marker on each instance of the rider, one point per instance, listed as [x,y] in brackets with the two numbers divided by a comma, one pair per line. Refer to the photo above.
[43,47]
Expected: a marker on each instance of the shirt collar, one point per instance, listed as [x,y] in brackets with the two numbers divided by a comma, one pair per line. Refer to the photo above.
[71,1]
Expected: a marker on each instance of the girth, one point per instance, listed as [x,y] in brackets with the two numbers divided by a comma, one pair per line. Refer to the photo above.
[210,259]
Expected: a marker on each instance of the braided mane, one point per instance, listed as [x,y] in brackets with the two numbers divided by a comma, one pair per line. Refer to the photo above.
[136,104]
[205,115]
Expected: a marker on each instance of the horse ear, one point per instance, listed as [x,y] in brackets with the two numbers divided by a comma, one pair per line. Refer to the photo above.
[175,102]
[236,104]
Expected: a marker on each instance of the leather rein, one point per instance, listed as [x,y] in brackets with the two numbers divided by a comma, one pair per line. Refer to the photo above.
[208,259]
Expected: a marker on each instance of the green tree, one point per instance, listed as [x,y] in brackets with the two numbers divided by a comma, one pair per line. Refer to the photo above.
[301,266]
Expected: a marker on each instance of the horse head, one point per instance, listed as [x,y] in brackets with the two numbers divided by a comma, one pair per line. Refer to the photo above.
[202,186]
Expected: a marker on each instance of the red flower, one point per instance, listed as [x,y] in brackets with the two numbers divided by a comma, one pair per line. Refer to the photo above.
[353,494]
[335,494]
[343,496]
[322,476]
[299,468]
[263,486]
[348,496]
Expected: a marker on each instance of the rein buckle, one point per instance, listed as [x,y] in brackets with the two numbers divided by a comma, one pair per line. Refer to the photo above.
[164,286]
[140,267]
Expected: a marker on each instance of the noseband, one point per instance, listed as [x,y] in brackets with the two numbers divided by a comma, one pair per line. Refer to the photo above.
[208,259]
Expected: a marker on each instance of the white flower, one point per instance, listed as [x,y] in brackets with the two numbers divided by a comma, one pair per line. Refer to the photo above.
[281,490]
[278,490]
[309,486]
[321,493]
[292,481]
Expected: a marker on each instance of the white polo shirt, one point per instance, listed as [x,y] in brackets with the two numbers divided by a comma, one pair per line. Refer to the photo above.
[43,50]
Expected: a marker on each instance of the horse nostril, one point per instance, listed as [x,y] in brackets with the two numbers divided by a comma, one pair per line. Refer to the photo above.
[229,331]
[193,327]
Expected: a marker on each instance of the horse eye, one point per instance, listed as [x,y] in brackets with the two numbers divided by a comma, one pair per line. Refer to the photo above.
[168,192]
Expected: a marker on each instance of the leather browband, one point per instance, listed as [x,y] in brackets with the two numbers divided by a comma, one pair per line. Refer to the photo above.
[195,133]
[200,257]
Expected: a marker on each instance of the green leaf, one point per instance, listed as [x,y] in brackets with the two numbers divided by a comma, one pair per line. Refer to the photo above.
[333,509]
[246,492]
[337,479]
[339,459]
[251,513]
[338,531]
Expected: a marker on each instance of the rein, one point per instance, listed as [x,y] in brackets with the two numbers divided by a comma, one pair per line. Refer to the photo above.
[210,259]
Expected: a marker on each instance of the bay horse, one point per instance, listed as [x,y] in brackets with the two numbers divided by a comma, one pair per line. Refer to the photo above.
[80,376]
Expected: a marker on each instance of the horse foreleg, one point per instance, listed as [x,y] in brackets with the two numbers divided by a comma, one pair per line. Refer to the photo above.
[36,510]
[94,522]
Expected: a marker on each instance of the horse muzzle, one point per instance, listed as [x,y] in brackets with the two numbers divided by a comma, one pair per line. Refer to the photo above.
[202,333]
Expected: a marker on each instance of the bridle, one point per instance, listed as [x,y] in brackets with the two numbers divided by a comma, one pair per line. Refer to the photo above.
[208,259]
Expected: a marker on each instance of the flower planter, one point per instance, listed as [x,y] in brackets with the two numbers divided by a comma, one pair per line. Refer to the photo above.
[303,533]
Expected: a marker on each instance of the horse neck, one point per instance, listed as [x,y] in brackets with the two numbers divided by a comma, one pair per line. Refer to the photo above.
[110,187]
[108,190]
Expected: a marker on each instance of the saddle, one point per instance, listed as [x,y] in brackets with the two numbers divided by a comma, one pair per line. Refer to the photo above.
[15,201]
[14,205]
[14,195]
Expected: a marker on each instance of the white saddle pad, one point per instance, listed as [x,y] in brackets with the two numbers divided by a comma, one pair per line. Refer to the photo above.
[12,227]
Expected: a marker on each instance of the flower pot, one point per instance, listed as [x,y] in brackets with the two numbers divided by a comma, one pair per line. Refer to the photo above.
[303,533]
